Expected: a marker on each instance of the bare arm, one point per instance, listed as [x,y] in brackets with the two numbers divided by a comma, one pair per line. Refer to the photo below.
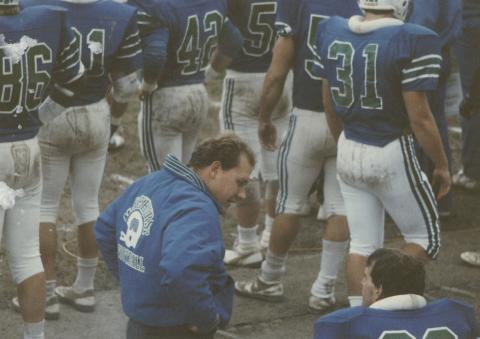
[282,61]
[426,132]
[334,122]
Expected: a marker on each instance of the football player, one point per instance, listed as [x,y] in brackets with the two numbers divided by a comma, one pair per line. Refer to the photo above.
[36,46]
[179,37]
[239,113]
[468,55]
[75,143]
[394,307]
[377,71]
[307,148]
[444,18]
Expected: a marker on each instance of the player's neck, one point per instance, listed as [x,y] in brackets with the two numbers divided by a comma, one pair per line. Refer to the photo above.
[9,10]
[375,16]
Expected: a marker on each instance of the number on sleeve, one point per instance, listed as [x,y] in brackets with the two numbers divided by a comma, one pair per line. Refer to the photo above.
[260,35]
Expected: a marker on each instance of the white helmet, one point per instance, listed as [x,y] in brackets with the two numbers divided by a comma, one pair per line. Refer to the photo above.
[9,2]
[400,8]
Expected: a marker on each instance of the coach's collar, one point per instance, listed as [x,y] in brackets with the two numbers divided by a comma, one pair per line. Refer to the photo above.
[358,25]
[400,303]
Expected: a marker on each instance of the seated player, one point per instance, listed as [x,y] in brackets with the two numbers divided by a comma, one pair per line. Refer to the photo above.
[393,306]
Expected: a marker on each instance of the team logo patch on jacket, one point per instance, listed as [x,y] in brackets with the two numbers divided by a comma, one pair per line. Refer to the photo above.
[139,219]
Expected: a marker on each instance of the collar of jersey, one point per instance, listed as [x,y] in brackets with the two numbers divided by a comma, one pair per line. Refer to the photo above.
[400,302]
[357,25]
[175,166]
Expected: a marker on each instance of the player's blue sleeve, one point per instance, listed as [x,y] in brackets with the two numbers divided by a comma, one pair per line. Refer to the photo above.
[230,40]
[287,17]
[192,260]
[154,53]
[318,66]
[128,57]
[106,237]
[422,71]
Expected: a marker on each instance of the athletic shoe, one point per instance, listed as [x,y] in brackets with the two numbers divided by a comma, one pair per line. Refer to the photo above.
[83,302]
[52,309]
[320,305]
[259,289]
[241,255]
[461,180]
[264,240]
[116,142]
[472,258]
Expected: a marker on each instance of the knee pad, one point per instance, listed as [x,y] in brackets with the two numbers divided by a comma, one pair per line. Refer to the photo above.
[25,266]
[86,211]
[363,249]
[271,190]
[252,192]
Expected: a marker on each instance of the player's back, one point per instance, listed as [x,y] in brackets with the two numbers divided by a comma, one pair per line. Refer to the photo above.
[256,21]
[300,19]
[440,319]
[108,35]
[368,72]
[193,28]
[35,46]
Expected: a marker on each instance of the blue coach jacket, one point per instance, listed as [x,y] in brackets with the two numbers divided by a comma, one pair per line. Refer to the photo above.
[162,240]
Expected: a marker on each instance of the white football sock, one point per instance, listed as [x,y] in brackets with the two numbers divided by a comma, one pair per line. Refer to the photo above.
[86,268]
[273,267]
[34,330]
[50,285]
[247,235]
[268,223]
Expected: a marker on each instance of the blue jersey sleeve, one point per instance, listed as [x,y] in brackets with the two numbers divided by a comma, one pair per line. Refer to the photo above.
[230,40]
[128,58]
[155,45]
[286,22]
[422,71]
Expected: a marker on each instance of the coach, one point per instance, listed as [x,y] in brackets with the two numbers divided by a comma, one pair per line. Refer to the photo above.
[162,240]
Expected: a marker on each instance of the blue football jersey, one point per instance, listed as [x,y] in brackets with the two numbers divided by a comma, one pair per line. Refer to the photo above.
[109,40]
[256,21]
[36,46]
[191,29]
[367,74]
[300,19]
[440,319]
[444,17]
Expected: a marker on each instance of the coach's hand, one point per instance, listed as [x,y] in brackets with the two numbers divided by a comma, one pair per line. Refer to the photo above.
[267,134]
[441,182]
[146,89]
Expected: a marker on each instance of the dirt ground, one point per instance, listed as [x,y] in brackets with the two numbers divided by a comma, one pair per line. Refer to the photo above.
[128,163]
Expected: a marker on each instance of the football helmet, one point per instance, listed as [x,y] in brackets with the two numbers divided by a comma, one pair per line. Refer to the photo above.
[400,8]
[9,2]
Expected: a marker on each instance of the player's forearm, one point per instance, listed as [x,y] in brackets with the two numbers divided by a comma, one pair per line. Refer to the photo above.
[424,128]
[271,93]
[334,123]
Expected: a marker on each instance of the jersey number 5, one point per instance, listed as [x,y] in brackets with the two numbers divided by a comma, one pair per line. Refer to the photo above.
[341,50]
[193,56]
[259,38]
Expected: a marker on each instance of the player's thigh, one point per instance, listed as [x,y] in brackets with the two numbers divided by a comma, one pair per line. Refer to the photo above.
[301,155]
[55,169]
[411,202]
[365,216]
[333,203]
[86,173]
[21,233]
